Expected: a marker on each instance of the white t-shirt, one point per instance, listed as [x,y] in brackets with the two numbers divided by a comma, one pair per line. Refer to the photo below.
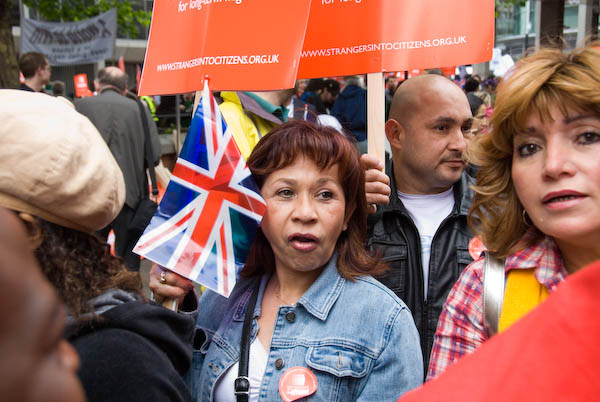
[427,212]
[257,364]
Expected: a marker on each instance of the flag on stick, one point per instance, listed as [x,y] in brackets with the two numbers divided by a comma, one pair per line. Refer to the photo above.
[207,219]
[121,63]
[138,77]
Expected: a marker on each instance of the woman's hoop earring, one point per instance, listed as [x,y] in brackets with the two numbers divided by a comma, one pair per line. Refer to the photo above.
[526,219]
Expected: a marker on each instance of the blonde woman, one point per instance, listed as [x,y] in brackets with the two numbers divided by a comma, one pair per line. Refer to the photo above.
[537,203]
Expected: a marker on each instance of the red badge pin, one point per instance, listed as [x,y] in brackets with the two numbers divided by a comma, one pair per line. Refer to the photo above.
[476,247]
[297,383]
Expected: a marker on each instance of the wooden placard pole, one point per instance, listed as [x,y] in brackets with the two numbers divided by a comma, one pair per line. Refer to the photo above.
[171,304]
[376,116]
[178,128]
[197,98]
[196,102]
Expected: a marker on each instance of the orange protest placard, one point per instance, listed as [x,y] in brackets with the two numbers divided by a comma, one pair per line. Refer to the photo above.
[81,86]
[239,44]
[346,37]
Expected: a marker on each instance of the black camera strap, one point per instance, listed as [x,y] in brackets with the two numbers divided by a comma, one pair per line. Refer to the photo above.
[242,384]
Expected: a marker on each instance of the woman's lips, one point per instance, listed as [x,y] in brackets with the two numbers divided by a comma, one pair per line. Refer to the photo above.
[562,199]
[303,241]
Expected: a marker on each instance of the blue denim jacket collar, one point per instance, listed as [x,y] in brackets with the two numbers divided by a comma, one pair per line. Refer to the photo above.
[318,299]
[323,293]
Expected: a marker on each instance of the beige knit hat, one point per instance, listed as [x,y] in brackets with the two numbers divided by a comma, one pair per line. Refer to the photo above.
[54,164]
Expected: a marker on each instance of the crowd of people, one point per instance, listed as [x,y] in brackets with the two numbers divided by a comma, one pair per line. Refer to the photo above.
[365,279]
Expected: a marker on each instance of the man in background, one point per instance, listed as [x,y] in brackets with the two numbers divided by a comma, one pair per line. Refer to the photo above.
[36,70]
[119,121]
[350,108]
[423,233]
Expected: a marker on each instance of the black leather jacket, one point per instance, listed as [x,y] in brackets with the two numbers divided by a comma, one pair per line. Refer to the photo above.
[393,236]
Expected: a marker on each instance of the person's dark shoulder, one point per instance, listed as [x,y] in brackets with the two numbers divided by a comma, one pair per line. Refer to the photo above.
[79,102]
[24,87]
[116,98]
[120,365]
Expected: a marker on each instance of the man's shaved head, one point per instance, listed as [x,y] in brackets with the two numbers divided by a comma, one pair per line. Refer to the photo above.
[414,94]
[428,119]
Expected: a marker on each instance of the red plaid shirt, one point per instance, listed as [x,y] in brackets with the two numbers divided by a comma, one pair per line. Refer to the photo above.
[460,327]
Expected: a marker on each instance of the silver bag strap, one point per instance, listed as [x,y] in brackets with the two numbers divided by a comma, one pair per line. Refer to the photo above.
[493,293]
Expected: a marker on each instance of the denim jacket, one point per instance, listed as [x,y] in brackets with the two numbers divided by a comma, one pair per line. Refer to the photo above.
[357,337]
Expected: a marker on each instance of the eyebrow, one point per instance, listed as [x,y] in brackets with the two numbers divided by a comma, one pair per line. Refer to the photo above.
[450,120]
[444,119]
[320,181]
[527,131]
[569,120]
[566,120]
[324,180]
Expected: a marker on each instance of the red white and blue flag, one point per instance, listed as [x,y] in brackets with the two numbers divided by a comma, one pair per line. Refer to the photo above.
[208,217]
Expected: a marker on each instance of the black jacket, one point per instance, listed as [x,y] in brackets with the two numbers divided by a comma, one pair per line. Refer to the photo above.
[135,351]
[119,121]
[393,236]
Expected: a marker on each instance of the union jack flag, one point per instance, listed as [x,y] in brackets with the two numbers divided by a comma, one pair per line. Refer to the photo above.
[207,219]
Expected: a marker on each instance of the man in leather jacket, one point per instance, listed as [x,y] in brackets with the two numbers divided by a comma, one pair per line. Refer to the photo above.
[423,233]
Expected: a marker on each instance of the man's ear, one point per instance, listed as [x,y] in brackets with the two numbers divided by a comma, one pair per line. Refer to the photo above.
[34,232]
[96,85]
[394,133]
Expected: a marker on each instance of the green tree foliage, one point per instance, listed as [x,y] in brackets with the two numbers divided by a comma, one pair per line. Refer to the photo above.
[75,10]
[504,3]
[519,2]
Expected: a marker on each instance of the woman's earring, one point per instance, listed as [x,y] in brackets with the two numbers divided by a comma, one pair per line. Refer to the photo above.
[526,219]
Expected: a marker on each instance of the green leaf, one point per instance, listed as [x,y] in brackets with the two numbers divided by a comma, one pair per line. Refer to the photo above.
[128,19]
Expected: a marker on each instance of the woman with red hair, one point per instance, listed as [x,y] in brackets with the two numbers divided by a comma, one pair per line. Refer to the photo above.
[322,326]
